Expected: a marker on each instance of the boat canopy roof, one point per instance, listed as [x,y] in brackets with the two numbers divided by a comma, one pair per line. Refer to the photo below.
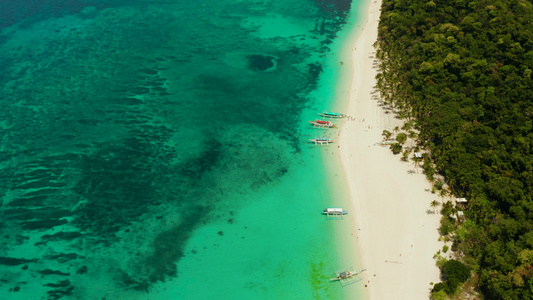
[334,210]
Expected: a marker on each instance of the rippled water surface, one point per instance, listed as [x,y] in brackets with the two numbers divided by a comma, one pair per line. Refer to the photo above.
[155,149]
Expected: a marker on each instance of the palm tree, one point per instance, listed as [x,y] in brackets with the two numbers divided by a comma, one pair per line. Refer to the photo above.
[407,126]
[405,155]
[396,129]
[386,134]
[412,135]
[451,186]
[442,194]
[417,161]
[434,204]
[438,185]
[401,137]
[396,148]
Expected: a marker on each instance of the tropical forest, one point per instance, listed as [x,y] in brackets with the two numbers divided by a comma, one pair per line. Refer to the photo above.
[461,72]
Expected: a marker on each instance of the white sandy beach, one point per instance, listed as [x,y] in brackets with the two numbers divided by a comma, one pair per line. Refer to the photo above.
[396,235]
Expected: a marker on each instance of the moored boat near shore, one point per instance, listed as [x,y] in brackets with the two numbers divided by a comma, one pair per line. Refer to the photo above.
[322,124]
[321,141]
[334,211]
[348,276]
[327,114]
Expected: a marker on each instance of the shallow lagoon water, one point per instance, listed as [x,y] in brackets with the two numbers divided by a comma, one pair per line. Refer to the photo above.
[159,150]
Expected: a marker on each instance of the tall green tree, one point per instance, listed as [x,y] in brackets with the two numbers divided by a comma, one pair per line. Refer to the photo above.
[462,71]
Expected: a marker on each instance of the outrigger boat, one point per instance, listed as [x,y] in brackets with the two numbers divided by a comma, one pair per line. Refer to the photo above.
[322,124]
[334,213]
[321,141]
[348,276]
[328,114]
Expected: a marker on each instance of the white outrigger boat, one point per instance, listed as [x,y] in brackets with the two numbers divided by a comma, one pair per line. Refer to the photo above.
[348,276]
[334,212]
[328,114]
[321,141]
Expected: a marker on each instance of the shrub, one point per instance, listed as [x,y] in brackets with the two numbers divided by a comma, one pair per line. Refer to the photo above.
[455,269]
[451,285]
[446,225]
[401,138]
[438,185]
[396,148]
[428,170]
[441,261]
[439,286]
[405,156]
[386,134]
[440,295]
[447,209]
[445,248]
[455,244]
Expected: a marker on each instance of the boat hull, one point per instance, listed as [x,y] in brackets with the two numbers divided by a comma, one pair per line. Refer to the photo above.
[332,115]
[319,123]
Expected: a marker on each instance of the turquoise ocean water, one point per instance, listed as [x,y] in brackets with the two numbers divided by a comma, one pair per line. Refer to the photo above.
[159,149]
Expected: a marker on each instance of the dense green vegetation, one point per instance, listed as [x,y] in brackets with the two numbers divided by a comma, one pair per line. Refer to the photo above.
[456,273]
[463,71]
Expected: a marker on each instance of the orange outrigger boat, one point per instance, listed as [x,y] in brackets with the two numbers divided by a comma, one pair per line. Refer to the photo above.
[322,124]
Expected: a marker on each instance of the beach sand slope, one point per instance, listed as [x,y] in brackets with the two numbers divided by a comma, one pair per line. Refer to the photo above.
[395,228]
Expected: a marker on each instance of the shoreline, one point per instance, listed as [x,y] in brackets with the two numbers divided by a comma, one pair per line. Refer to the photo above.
[392,227]
[335,86]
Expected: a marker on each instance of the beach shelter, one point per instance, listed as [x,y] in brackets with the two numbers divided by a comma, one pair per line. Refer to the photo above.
[460,216]
[461,202]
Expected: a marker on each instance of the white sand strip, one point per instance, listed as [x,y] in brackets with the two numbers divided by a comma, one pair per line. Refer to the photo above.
[396,235]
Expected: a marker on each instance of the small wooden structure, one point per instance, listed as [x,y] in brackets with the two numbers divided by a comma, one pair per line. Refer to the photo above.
[461,200]
[334,213]
[459,216]
[461,203]
[348,276]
